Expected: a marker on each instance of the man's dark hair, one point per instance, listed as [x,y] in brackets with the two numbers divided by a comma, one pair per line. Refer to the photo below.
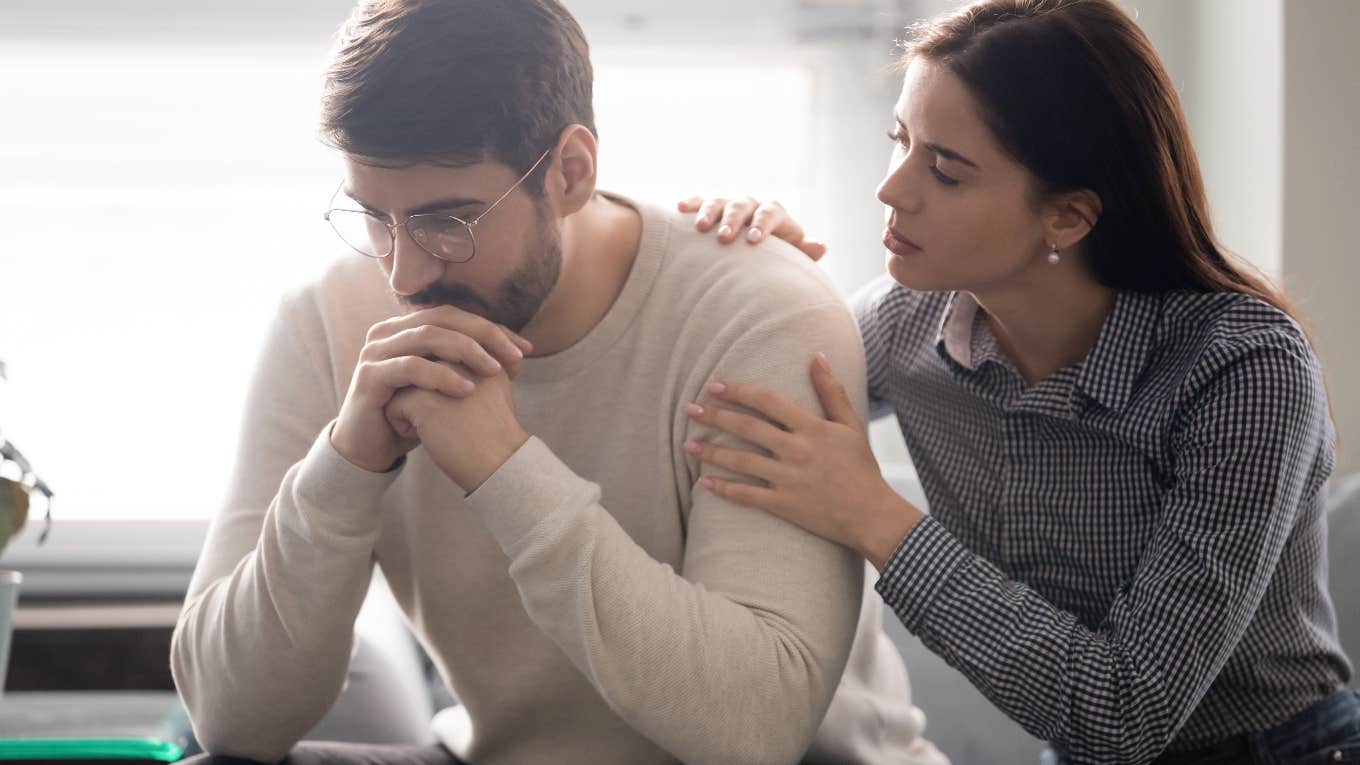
[457,82]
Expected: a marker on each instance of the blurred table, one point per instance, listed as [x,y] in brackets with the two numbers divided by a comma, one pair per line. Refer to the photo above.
[87,726]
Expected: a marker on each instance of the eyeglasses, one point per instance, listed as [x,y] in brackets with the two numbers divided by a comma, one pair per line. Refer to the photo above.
[446,237]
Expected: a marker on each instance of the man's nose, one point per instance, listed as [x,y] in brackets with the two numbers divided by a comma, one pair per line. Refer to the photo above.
[412,268]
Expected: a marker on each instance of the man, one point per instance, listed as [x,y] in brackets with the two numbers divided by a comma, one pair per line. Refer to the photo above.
[585,597]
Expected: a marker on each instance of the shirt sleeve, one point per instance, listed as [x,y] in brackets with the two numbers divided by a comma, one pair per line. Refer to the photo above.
[262,645]
[877,324]
[735,657]
[1252,430]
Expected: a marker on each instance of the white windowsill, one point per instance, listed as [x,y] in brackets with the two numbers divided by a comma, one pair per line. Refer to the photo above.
[148,559]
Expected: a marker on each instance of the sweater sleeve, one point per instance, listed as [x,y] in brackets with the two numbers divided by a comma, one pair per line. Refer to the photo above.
[734,658]
[262,645]
[1120,691]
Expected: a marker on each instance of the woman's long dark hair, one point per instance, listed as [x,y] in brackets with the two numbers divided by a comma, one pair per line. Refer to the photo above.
[1074,91]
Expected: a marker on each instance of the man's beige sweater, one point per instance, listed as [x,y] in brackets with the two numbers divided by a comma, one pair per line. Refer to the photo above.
[589,603]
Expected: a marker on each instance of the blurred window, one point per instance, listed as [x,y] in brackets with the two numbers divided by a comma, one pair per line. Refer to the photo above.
[158,198]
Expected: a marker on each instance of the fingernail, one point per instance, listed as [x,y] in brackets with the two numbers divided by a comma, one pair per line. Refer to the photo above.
[706,482]
[694,410]
[717,388]
[823,363]
[701,220]
[693,447]
[725,231]
[753,235]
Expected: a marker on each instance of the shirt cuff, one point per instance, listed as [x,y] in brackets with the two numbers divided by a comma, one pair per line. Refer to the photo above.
[531,486]
[919,569]
[337,495]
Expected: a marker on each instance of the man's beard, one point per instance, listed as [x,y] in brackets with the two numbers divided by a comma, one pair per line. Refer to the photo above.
[519,296]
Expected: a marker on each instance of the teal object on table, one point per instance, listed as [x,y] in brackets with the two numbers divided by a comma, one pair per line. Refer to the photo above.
[90,749]
[83,726]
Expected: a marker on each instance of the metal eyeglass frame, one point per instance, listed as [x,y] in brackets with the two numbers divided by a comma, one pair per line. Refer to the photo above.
[392,227]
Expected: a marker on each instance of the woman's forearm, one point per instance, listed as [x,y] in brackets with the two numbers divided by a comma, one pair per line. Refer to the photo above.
[885,526]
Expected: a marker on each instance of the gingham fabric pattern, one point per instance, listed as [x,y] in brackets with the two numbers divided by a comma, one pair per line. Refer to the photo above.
[1130,555]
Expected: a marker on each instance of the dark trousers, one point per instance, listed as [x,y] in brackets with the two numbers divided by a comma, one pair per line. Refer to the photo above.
[330,753]
[1325,733]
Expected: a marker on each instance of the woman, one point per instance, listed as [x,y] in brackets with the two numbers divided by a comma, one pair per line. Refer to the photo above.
[1123,435]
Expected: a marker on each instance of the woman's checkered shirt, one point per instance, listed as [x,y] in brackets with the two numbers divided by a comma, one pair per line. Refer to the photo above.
[1130,554]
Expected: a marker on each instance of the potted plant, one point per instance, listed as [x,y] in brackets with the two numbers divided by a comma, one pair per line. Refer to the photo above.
[17,484]
[14,495]
[13,513]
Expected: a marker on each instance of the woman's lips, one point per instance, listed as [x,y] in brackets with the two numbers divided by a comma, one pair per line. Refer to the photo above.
[898,245]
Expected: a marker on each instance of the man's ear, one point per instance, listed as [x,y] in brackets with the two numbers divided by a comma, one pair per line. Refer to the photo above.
[1070,216]
[570,182]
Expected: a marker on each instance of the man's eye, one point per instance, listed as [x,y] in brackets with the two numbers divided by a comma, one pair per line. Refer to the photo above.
[895,135]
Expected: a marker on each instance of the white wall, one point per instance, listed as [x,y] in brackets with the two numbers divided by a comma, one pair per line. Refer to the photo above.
[1321,167]
[1225,56]
[1272,93]
[1237,109]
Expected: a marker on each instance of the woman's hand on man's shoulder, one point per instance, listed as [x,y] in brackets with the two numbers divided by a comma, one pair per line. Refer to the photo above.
[730,216]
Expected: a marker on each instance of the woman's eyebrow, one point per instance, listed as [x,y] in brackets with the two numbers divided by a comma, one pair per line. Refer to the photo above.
[943,151]
[951,154]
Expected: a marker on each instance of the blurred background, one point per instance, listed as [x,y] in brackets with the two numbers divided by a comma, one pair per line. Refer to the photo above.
[161,184]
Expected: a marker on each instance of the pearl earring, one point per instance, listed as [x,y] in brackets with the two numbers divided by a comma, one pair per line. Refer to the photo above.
[1053,256]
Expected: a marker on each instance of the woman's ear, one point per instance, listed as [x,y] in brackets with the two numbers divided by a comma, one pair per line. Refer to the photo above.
[570,182]
[1071,216]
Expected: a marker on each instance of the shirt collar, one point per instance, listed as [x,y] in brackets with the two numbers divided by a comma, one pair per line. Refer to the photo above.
[963,338]
[1109,371]
[1113,366]
[955,336]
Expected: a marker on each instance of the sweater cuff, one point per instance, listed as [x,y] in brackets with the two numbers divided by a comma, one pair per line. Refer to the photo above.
[531,486]
[919,569]
[336,494]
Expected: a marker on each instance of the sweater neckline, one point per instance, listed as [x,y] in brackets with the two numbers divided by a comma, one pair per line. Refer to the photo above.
[617,320]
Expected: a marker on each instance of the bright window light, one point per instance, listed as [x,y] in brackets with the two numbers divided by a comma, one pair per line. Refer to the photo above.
[158,199]
[732,129]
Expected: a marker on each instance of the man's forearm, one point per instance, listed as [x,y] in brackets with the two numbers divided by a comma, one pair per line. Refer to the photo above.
[261,652]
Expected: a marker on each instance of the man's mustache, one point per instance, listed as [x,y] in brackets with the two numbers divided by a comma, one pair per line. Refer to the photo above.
[441,294]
